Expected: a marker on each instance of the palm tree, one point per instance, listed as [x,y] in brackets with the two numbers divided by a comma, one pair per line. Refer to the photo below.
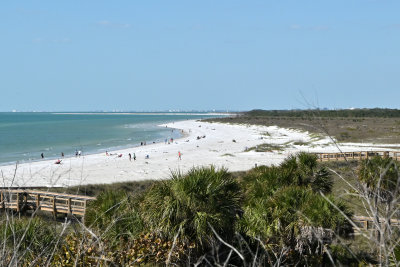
[187,205]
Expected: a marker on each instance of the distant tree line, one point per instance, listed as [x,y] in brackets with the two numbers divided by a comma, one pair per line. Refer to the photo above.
[342,113]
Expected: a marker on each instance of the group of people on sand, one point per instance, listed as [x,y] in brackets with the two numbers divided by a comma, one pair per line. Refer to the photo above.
[169,141]
[120,155]
[78,153]
[130,156]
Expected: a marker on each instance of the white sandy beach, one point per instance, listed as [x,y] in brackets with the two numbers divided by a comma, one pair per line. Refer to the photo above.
[217,148]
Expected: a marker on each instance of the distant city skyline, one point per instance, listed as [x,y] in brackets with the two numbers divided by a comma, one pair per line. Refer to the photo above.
[181,55]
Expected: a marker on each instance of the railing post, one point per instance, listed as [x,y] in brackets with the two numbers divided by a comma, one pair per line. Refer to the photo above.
[3,206]
[84,211]
[54,207]
[17,202]
[69,206]
[38,202]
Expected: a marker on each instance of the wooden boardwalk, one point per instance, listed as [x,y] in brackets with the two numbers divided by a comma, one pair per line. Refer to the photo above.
[360,155]
[22,200]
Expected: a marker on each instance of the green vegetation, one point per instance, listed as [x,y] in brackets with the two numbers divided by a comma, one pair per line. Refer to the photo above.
[133,188]
[358,125]
[301,143]
[294,213]
[266,147]
[340,113]
[186,205]
[27,237]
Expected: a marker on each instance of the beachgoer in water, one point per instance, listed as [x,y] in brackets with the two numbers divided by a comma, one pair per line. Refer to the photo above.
[130,157]
[42,156]
[79,153]
[76,153]
[134,156]
[62,154]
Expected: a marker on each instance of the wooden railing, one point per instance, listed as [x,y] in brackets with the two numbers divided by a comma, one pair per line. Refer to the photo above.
[23,200]
[367,223]
[356,155]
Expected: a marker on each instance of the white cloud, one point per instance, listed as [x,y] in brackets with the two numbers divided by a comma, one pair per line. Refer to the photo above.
[37,40]
[394,26]
[295,27]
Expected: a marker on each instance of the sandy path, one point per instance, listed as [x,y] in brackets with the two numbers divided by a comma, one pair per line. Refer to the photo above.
[216,148]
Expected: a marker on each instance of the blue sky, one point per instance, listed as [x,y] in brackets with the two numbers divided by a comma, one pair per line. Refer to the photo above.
[235,55]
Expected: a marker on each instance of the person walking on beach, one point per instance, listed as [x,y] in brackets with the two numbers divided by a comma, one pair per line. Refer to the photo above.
[179,155]
[130,157]
[76,153]
[134,156]
[42,155]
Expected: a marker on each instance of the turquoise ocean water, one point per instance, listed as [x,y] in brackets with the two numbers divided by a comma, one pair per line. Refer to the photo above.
[24,136]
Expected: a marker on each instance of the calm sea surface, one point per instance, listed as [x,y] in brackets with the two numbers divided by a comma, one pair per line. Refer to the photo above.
[24,136]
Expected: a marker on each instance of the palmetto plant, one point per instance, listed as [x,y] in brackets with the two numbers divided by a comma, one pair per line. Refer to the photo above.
[284,206]
[380,175]
[187,205]
[303,170]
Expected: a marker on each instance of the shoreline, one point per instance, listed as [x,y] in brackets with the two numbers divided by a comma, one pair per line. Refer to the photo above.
[145,113]
[89,153]
[223,145]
